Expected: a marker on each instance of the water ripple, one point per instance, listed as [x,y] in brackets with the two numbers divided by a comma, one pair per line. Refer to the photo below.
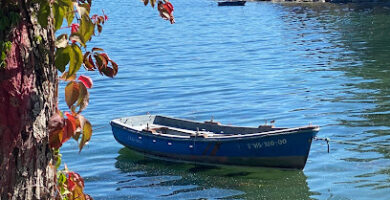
[294,63]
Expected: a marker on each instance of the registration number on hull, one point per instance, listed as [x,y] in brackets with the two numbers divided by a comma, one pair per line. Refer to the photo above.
[267,144]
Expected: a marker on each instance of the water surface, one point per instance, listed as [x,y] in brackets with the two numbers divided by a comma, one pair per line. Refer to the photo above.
[297,64]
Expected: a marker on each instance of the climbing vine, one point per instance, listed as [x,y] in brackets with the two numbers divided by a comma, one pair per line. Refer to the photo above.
[74,26]
[69,58]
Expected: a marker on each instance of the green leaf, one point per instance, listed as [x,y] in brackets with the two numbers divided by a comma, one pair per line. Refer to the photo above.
[72,93]
[61,9]
[76,59]
[58,163]
[65,3]
[82,9]
[85,9]
[58,11]
[61,178]
[69,15]
[86,28]
[62,58]
[68,8]
[76,37]
[43,13]
[87,133]
[7,45]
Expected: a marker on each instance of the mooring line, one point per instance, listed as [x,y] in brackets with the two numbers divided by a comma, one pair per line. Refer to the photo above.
[328,140]
[323,139]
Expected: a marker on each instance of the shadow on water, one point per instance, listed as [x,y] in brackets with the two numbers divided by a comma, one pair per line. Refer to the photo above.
[188,181]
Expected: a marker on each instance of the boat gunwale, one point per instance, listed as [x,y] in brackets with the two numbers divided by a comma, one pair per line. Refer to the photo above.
[220,136]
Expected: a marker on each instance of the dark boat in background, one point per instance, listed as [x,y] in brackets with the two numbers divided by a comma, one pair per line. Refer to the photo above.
[231,3]
[211,143]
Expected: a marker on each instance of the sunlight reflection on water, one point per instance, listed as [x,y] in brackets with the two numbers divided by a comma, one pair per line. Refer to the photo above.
[294,63]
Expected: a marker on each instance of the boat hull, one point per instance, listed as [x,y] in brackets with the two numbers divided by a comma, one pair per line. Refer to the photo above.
[231,3]
[285,150]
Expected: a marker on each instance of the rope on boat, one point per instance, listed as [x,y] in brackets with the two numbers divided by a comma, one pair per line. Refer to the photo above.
[327,140]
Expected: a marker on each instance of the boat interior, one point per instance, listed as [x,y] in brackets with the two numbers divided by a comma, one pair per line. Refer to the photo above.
[167,126]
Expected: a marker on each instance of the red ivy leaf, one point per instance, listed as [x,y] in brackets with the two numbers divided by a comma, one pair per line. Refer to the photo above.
[114,68]
[100,28]
[108,72]
[105,16]
[86,81]
[76,179]
[56,125]
[97,49]
[105,56]
[166,10]
[74,27]
[69,130]
[86,55]
[83,98]
[168,6]
[101,19]
[71,184]
[72,123]
[88,63]
[55,139]
[56,122]
[99,62]
[104,60]
[94,17]
[72,91]
[92,63]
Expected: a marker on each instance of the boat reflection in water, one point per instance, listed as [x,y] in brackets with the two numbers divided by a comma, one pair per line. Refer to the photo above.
[157,179]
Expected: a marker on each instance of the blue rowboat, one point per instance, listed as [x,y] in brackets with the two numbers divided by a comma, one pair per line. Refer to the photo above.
[231,3]
[211,143]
